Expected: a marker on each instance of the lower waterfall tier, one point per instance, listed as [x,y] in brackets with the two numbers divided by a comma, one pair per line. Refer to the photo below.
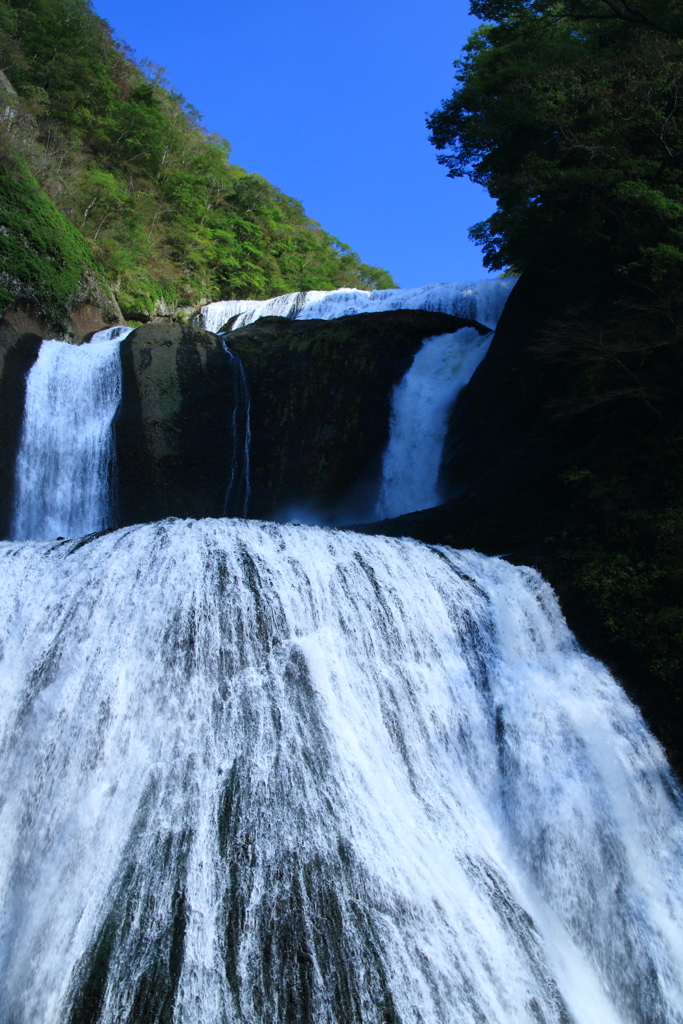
[275,774]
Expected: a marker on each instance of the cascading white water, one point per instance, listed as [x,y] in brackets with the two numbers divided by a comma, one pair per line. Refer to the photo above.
[421,402]
[65,465]
[276,774]
[419,416]
[481,300]
[216,314]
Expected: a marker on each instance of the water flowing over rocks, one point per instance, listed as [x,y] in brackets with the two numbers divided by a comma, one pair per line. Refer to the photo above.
[480,300]
[282,774]
[420,407]
[277,774]
[321,401]
[65,476]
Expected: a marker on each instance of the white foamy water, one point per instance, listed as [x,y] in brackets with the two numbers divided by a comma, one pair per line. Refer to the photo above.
[481,300]
[64,472]
[280,774]
[419,417]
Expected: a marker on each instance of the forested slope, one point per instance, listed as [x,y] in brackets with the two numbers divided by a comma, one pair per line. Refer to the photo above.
[161,215]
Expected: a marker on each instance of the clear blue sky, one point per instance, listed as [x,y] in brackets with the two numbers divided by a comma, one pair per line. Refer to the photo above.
[327,100]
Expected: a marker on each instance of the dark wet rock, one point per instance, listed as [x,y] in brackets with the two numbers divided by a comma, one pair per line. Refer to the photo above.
[18,353]
[173,428]
[321,396]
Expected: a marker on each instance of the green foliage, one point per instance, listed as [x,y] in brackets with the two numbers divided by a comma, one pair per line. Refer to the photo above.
[660,15]
[629,571]
[571,115]
[125,158]
[44,256]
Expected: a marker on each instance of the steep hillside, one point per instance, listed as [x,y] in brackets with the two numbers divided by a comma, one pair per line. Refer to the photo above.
[161,216]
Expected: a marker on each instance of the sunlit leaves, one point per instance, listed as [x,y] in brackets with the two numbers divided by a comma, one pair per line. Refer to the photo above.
[128,161]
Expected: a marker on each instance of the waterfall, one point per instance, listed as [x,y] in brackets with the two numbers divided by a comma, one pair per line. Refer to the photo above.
[482,301]
[216,314]
[238,491]
[419,416]
[278,774]
[422,401]
[64,476]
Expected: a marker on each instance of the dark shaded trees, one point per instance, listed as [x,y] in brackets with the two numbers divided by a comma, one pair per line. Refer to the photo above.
[575,127]
[565,448]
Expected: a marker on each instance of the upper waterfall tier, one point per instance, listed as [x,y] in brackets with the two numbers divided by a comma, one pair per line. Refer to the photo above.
[481,300]
[279,774]
[65,477]
[134,426]
[420,405]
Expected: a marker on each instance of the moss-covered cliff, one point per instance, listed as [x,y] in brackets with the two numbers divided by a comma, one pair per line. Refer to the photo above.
[48,272]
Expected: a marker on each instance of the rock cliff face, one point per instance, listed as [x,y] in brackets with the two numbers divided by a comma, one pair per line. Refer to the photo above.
[321,396]
[89,309]
[18,352]
[174,423]
[321,393]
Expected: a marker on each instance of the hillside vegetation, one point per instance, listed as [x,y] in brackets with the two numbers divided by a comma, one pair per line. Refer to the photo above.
[161,215]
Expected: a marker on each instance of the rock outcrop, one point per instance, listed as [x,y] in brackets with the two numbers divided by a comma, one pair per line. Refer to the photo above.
[18,353]
[321,399]
[89,310]
[173,428]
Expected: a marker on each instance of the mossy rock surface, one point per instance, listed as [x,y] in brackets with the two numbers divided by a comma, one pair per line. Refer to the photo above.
[49,281]
[42,254]
[320,406]
[173,427]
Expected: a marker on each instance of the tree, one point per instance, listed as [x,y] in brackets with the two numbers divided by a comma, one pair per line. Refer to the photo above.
[658,15]
[571,115]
